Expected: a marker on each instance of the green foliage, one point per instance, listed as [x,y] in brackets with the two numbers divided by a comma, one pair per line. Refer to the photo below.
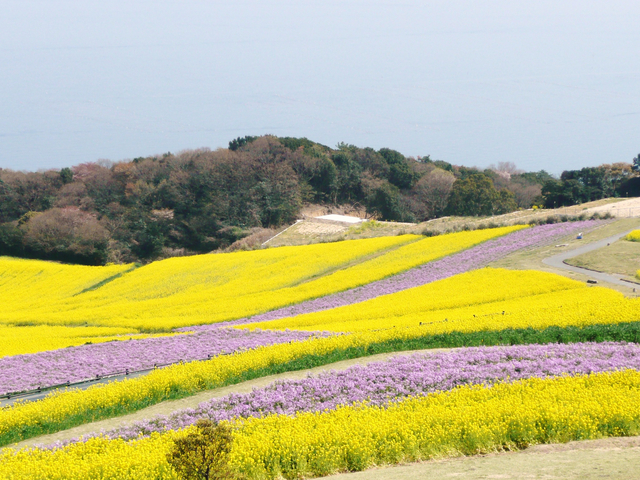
[66,175]
[443,165]
[590,183]
[201,200]
[11,240]
[384,201]
[309,147]
[240,142]
[203,454]
[475,195]
[539,178]
[636,163]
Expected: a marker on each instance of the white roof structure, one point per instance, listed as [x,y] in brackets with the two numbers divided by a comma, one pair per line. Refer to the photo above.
[342,218]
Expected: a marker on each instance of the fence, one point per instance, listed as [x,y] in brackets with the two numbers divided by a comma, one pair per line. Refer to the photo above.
[625,212]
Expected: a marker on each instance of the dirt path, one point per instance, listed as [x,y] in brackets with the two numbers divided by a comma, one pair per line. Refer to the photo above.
[612,458]
[168,407]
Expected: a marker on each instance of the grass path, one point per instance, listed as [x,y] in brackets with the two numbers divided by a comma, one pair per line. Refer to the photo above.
[607,458]
[170,406]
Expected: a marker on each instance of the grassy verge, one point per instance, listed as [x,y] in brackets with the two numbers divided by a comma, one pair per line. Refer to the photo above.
[65,410]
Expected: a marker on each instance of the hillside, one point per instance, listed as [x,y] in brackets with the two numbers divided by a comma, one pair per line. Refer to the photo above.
[199,201]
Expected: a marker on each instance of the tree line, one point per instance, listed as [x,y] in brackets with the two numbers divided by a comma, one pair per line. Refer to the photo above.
[202,200]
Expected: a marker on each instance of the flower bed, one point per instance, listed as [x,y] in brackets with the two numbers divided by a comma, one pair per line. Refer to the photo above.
[470,259]
[26,372]
[398,378]
[465,421]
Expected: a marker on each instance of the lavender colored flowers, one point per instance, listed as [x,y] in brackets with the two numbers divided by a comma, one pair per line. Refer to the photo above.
[26,372]
[401,377]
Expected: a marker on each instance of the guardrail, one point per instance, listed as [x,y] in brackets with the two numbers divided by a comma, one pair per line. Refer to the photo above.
[126,372]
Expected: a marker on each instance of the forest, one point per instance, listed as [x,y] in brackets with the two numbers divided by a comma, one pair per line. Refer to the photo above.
[204,200]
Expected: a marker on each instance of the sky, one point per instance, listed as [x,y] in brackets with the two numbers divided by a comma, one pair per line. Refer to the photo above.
[550,84]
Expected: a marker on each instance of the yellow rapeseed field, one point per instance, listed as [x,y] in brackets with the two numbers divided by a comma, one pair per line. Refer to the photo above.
[212,288]
[486,299]
[28,284]
[528,299]
[32,339]
[467,420]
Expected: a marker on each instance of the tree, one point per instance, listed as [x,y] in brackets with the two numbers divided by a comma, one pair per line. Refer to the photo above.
[431,194]
[384,201]
[203,454]
[636,163]
[66,175]
[66,234]
[475,195]
[240,142]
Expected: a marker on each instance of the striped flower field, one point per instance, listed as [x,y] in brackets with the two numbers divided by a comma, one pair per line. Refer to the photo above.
[554,359]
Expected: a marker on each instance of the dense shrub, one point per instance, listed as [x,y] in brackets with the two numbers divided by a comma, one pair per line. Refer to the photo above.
[204,453]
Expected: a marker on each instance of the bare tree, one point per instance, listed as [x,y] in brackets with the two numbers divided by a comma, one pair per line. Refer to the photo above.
[431,193]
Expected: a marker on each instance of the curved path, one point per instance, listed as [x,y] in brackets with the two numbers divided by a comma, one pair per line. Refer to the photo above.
[558,261]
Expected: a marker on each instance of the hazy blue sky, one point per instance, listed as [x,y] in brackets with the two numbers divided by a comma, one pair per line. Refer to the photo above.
[545,84]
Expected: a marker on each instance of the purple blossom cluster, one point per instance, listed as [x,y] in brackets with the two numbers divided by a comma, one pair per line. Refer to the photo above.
[470,259]
[38,370]
[398,378]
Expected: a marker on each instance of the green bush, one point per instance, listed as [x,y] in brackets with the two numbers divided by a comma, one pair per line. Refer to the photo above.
[203,454]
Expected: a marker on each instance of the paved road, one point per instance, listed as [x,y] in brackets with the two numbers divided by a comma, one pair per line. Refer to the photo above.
[558,260]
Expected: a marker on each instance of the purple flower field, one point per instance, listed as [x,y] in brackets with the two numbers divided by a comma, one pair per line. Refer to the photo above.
[403,376]
[26,372]
[470,259]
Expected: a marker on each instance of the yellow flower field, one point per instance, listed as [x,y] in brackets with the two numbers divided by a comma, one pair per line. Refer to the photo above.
[21,340]
[528,299]
[212,288]
[486,299]
[26,284]
[467,420]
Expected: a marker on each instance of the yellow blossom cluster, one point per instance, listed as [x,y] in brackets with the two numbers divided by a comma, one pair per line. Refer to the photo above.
[633,236]
[33,339]
[485,299]
[202,289]
[509,299]
[467,420]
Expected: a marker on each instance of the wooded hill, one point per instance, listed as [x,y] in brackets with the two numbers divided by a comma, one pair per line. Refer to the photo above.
[201,200]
